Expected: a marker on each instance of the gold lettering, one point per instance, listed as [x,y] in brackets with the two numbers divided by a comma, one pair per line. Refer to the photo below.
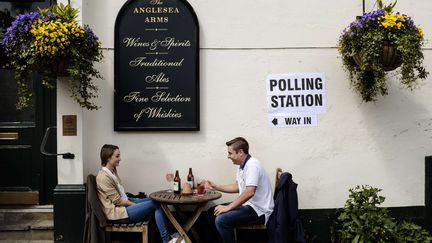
[156,2]
[134,96]
[156,20]
[156,10]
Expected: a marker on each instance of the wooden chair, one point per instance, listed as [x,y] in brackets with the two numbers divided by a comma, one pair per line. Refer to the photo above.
[259,226]
[141,227]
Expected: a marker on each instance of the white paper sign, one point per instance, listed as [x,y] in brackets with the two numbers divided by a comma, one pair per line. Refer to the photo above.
[293,120]
[296,93]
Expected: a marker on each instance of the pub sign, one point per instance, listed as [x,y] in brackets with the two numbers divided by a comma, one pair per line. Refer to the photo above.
[156,66]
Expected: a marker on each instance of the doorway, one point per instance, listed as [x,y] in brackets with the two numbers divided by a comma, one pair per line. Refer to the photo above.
[28,177]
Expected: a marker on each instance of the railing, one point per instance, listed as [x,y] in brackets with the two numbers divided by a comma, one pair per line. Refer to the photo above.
[66,155]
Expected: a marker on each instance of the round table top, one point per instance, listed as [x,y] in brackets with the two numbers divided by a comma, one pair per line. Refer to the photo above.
[170,197]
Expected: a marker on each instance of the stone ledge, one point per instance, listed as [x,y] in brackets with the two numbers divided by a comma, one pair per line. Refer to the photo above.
[27,236]
[27,225]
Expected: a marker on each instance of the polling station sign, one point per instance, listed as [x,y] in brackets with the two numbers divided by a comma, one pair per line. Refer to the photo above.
[295,99]
[296,93]
[293,120]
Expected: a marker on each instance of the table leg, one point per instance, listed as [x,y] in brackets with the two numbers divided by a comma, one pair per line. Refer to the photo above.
[175,223]
[191,221]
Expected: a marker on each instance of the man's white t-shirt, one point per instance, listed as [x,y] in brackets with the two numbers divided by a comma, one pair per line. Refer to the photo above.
[253,174]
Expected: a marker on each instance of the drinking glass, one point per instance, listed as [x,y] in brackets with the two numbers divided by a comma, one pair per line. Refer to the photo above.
[169,178]
[201,189]
[200,186]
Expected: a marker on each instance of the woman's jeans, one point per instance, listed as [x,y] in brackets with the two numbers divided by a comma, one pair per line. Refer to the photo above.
[142,209]
[243,215]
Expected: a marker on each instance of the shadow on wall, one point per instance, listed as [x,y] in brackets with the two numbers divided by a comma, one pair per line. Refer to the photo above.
[399,131]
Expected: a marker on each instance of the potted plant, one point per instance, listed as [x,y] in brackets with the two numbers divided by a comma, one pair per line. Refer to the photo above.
[362,220]
[380,41]
[52,43]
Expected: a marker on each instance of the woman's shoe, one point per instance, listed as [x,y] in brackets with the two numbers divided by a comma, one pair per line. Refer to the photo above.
[175,236]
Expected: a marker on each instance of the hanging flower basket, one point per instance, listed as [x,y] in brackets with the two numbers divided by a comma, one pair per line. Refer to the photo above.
[57,69]
[390,57]
[381,41]
[52,43]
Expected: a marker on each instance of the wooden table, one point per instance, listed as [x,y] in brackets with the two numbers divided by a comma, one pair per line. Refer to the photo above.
[166,198]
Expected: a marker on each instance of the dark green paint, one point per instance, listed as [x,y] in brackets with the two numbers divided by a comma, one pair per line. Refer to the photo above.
[23,167]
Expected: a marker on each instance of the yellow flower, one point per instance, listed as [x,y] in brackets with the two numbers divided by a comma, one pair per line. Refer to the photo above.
[392,20]
[420,31]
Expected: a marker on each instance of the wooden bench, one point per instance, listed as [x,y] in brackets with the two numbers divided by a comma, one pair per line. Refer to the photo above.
[259,226]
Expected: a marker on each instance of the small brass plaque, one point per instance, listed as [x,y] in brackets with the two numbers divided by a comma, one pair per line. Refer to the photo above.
[70,125]
[9,136]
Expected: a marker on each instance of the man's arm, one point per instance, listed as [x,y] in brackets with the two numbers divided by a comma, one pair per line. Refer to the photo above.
[248,193]
[230,188]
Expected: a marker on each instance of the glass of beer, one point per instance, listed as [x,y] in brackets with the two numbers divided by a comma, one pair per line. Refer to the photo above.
[201,188]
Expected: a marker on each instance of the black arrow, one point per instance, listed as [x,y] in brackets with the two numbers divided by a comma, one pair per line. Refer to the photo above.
[275,121]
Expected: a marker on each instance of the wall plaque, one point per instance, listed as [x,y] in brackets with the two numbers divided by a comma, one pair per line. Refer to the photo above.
[69,125]
[156,66]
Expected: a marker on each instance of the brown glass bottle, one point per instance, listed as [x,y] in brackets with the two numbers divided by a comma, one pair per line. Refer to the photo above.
[177,183]
[191,179]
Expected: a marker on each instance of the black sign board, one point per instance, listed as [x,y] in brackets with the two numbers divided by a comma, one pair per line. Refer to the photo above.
[156,66]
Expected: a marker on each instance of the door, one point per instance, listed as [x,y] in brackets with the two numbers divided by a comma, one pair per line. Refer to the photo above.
[28,177]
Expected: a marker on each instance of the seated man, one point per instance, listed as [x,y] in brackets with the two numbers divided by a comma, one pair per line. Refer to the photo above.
[255,201]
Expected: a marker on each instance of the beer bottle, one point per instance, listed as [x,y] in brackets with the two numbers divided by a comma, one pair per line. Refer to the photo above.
[177,183]
[191,179]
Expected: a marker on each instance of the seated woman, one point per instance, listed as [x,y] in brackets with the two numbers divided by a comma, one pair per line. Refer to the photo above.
[118,208]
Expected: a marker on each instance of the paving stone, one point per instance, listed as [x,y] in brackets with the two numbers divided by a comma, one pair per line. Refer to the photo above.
[26,224]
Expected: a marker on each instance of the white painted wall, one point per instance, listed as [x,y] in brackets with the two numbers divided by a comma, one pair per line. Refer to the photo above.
[69,171]
[382,144]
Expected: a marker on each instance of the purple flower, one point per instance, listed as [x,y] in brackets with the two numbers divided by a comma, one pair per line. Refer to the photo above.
[19,31]
[50,15]
[90,35]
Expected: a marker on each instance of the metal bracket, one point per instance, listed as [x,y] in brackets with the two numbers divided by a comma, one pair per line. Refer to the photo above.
[67,155]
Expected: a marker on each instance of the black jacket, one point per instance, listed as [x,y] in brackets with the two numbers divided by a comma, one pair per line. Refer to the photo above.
[284,224]
[95,222]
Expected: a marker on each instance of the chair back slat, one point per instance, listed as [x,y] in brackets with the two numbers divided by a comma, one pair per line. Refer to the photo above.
[278,175]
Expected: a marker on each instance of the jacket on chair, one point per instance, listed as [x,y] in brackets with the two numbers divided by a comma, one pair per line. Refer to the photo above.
[95,221]
[284,224]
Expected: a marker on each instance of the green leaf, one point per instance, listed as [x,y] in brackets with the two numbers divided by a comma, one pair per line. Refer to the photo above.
[355,240]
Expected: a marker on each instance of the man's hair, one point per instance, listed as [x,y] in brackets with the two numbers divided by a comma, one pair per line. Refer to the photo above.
[106,152]
[239,143]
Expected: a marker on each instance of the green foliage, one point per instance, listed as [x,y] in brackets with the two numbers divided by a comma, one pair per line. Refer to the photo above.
[363,221]
[65,12]
[52,43]
[361,48]
[408,232]
[387,8]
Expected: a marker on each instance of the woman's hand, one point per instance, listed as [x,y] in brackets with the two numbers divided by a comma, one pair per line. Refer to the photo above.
[126,202]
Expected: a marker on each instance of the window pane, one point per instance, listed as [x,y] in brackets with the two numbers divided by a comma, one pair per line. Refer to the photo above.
[8,98]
